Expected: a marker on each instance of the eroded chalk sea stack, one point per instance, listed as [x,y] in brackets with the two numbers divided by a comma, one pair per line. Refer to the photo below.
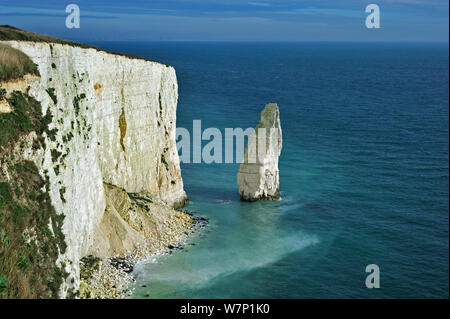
[258,176]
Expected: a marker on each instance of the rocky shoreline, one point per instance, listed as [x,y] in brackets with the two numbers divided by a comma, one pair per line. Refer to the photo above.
[111,278]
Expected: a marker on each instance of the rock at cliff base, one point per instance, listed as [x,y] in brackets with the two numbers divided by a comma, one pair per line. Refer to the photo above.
[258,176]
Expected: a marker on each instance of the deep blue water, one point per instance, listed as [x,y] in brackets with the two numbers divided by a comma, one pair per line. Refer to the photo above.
[363,171]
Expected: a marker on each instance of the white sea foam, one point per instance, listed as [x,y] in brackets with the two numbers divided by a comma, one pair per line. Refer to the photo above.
[200,266]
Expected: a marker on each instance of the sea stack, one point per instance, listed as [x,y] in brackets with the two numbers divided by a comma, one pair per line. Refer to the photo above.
[258,176]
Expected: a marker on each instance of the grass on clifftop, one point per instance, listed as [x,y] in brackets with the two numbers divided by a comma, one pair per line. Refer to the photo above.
[14,63]
[8,33]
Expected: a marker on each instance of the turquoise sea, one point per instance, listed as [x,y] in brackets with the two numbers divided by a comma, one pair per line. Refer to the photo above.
[364,173]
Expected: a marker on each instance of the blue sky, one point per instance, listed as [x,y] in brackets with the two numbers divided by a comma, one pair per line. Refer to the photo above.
[232,20]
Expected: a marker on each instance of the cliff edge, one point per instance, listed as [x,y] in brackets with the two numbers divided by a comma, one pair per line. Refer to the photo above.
[107,153]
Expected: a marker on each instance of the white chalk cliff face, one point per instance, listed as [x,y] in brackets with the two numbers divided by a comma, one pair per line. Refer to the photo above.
[258,176]
[114,120]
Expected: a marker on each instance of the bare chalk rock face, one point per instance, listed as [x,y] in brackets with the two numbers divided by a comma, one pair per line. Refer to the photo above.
[114,124]
[258,176]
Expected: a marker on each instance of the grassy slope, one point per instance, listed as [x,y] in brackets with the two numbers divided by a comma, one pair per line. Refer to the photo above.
[14,63]
[28,249]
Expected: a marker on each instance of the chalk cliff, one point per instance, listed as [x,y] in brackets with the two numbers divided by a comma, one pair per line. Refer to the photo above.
[113,125]
[258,175]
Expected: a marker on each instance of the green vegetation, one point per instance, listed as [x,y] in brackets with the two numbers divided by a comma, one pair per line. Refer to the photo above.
[123,128]
[89,265]
[62,191]
[163,160]
[25,118]
[67,138]
[51,93]
[2,283]
[28,247]
[52,134]
[14,63]
[76,102]
[56,169]
[55,155]
[8,33]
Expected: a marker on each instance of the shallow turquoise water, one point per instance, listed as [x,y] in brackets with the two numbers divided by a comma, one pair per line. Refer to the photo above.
[363,171]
